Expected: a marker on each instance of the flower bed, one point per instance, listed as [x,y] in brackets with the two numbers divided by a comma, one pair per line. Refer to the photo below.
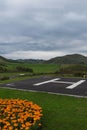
[18,114]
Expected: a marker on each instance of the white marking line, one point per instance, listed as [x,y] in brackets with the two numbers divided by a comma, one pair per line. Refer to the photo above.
[21,74]
[11,84]
[63,82]
[49,81]
[75,84]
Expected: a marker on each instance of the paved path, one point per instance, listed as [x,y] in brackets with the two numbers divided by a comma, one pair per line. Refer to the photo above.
[67,86]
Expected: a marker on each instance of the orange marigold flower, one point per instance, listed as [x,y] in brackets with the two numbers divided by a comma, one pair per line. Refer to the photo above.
[15,124]
[28,124]
[19,114]
[10,128]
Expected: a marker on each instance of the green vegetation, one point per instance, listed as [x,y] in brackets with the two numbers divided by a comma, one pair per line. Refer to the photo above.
[75,70]
[59,112]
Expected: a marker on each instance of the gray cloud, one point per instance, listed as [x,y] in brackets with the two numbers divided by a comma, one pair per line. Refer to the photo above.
[43,25]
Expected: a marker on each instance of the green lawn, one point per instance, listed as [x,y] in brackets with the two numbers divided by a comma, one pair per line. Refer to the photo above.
[60,112]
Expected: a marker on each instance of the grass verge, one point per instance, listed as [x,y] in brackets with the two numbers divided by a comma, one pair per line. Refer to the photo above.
[17,77]
[60,112]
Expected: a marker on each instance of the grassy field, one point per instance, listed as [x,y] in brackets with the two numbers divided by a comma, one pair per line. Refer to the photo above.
[37,68]
[60,112]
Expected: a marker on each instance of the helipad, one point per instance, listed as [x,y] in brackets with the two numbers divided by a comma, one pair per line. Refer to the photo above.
[57,85]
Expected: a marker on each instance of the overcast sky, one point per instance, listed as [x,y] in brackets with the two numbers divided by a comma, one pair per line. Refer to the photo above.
[42,29]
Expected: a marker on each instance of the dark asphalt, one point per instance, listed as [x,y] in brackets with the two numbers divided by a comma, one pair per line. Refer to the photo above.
[80,90]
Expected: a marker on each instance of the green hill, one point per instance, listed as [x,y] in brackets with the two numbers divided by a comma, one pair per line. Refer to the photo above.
[69,59]
[3,60]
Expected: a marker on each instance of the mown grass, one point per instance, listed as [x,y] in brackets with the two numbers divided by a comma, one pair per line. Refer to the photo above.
[60,112]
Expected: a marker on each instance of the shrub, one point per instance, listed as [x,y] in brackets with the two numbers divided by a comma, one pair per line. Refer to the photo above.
[24,69]
[2,69]
[4,78]
[78,74]
[75,70]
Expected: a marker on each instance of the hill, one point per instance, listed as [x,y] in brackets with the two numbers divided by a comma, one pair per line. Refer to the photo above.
[69,59]
[3,60]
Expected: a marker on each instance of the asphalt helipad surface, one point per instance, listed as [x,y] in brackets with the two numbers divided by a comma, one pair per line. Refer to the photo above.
[67,86]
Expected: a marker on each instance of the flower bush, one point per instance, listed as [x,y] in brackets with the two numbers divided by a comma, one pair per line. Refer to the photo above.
[16,114]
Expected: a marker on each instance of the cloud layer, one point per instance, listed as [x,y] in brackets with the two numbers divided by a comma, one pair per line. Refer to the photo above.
[40,27]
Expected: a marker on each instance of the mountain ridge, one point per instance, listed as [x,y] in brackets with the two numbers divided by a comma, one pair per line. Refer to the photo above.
[69,59]
[66,59]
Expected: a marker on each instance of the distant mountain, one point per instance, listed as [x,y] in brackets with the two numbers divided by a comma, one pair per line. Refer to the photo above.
[4,60]
[69,59]
[28,60]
